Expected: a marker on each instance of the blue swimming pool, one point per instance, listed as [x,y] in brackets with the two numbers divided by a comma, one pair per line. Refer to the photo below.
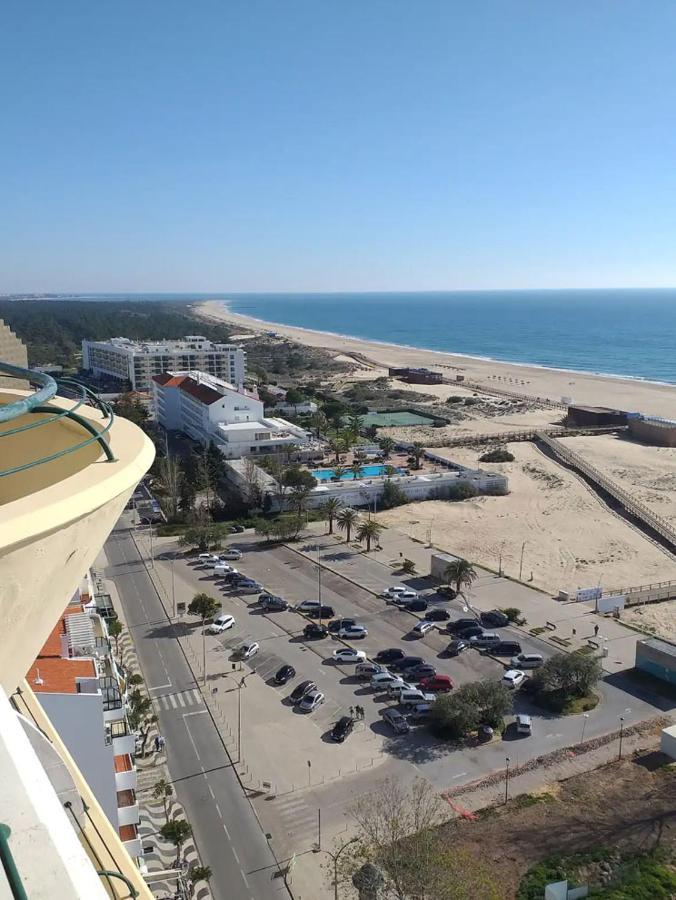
[366,472]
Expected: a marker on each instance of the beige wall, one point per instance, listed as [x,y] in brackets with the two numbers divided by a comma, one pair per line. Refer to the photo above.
[13,351]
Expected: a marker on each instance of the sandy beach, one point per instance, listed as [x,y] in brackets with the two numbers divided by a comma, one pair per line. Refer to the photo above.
[628,394]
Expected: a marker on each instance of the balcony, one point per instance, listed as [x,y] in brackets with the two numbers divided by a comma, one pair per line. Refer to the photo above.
[130,840]
[125,773]
[67,471]
[127,808]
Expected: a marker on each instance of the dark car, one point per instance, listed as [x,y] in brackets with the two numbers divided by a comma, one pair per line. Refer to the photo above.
[485,733]
[447,591]
[233,577]
[286,673]
[407,662]
[469,632]
[494,619]
[505,648]
[342,729]
[459,624]
[337,624]
[456,646]
[270,601]
[392,654]
[417,605]
[301,690]
[236,529]
[321,612]
[424,670]
[437,615]
[315,630]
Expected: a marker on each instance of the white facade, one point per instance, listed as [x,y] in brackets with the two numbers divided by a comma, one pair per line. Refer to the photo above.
[139,361]
[207,409]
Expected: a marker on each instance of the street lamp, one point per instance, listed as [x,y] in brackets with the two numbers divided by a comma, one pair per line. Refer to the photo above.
[621,718]
[585,716]
[335,857]
[150,527]
[173,589]
[506,778]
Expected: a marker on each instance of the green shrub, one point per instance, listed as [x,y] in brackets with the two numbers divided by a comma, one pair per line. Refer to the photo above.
[500,454]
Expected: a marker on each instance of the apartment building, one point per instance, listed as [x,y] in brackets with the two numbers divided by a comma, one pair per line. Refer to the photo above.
[138,361]
[207,409]
[12,351]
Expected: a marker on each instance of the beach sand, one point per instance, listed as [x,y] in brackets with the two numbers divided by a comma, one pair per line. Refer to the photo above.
[572,539]
[628,394]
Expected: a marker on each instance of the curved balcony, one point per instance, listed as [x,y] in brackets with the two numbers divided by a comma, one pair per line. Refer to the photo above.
[67,469]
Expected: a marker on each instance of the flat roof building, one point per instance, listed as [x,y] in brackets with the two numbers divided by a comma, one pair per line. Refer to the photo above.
[595,416]
[138,361]
[652,430]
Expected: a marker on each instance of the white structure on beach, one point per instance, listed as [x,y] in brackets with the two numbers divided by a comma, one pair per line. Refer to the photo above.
[138,361]
[209,409]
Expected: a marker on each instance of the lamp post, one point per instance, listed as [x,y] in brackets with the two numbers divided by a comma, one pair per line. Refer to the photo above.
[506,778]
[523,547]
[619,755]
[585,716]
[150,528]
[335,857]
[239,715]
[173,590]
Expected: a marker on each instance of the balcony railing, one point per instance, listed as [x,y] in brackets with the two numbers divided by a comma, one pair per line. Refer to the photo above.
[38,402]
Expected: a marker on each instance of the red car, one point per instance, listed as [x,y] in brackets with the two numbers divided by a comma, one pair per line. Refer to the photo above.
[440,683]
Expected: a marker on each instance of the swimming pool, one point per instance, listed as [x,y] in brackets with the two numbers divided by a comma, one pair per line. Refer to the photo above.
[372,471]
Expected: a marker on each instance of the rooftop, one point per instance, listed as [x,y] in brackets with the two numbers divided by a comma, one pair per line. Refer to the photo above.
[59,676]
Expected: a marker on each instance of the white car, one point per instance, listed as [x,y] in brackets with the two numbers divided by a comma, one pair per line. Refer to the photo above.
[205,556]
[423,626]
[224,569]
[395,591]
[308,605]
[513,678]
[527,661]
[384,680]
[232,553]
[404,598]
[246,651]
[220,623]
[352,631]
[311,701]
[349,655]
[369,669]
[395,687]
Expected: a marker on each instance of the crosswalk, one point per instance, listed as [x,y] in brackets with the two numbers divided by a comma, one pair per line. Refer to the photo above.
[298,821]
[179,700]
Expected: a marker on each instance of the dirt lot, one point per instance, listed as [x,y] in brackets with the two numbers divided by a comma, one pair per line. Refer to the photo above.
[623,804]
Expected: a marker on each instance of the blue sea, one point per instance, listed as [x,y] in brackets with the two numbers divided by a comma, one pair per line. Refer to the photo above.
[615,332]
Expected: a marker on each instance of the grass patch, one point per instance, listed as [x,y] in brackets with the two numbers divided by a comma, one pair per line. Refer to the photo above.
[538,630]
[526,800]
[565,706]
[175,530]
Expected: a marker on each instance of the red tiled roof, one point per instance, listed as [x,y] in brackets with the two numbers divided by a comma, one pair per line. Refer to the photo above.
[199,391]
[59,676]
[167,380]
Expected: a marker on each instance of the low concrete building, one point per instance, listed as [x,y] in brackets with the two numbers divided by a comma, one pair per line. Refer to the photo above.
[439,563]
[595,417]
[657,658]
[416,375]
[653,430]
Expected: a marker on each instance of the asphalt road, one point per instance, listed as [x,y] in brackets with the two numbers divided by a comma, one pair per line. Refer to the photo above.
[229,836]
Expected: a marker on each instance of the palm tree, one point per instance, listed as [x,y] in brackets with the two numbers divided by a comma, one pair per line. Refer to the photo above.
[355,423]
[461,574]
[205,607]
[337,444]
[338,472]
[198,873]
[355,468]
[387,445]
[297,501]
[417,451]
[176,832]
[347,519]
[331,508]
[369,531]
[163,791]
[318,422]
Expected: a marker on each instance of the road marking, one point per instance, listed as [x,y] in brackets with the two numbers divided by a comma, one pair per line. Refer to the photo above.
[220,816]
[211,791]
[171,698]
[198,712]
[158,687]
[194,746]
[225,828]
[180,699]
[196,694]
[234,853]
[461,775]
[244,878]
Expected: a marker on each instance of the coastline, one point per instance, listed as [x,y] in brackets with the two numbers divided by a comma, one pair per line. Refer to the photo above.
[621,392]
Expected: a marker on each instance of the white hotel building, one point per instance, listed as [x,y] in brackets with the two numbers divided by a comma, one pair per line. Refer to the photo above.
[211,409]
[138,361]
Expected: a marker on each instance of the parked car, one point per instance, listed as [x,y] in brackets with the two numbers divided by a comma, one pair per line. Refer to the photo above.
[384,680]
[232,578]
[484,733]
[231,553]
[401,664]
[301,690]
[456,646]
[311,701]
[349,655]
[205,557]
[352,631]
[419,605]
[390,655]
[248,587]
[315,630]
[286,673]
[421,711]
[236,529]
[469,631]
[368,669]
[342,729]
[506,648]
[397,720]
[403,599]
[251,648]
[437,615]
[524,724]
[437,683]
[458,625]
[445,590]
[395,687]
[337,624]
[527,661]
[220,624]
[272,602]
[513,678]
[307,605]
[414,696]
[396,591]
[321,612]
[424,670]
[494,619]
[210,562]
[423,626]
[486,640]
[221,569]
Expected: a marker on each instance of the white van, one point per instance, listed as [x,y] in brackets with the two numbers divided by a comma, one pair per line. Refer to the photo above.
[524,724]
[384,680]
[413,697]
[527,661]
[222,569]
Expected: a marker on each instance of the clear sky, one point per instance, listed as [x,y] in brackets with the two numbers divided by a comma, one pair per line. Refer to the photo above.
[235,145]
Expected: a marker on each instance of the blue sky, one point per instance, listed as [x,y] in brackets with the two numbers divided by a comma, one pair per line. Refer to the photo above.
[362,145]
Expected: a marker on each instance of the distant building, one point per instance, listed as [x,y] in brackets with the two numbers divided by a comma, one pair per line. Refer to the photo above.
[12,351]
[210,409]
[652,430]
[657,658]
[595,417]
[305,407]
[416,376]
[138,361]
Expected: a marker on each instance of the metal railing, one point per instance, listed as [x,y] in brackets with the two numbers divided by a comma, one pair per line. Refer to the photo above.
[38,402]
[11,872]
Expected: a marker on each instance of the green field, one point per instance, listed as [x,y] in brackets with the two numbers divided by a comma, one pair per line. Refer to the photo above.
[397,418]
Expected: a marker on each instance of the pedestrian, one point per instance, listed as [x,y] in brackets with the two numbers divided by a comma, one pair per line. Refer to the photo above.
[574,631]
[596,630]
[161,741]
[361,712]
[351,712]
[157,743]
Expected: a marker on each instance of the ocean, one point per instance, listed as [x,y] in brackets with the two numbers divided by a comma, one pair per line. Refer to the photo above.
[629,333]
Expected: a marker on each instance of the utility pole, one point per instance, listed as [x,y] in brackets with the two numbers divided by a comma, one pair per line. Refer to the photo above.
[506,778]
[173,590]
[523,547]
